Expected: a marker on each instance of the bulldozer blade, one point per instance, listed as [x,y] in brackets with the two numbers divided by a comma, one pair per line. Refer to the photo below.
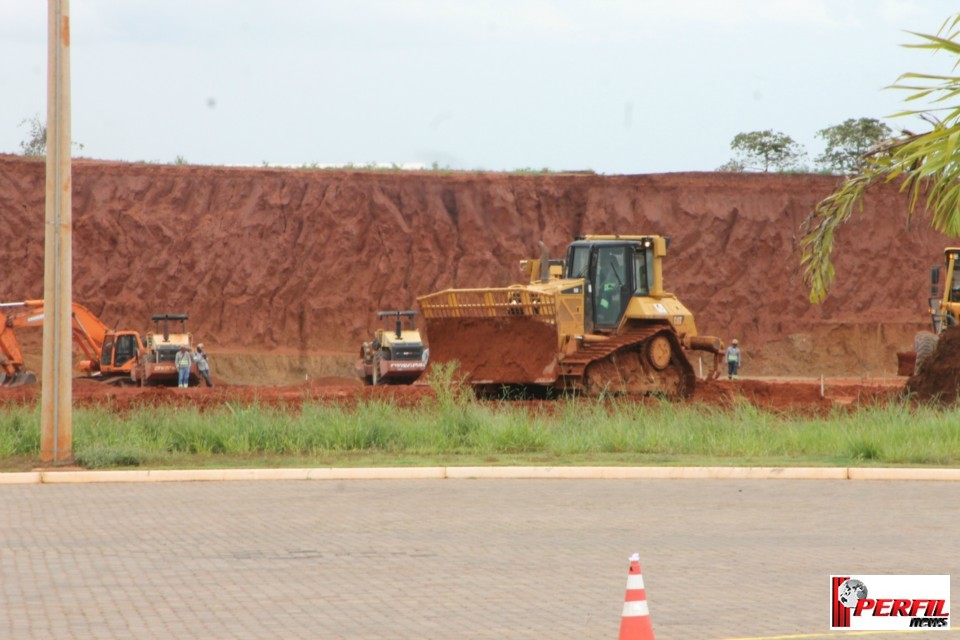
[496,350]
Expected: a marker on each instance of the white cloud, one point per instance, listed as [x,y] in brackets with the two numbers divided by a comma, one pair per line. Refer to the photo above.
[901,12]
[23,19]
[728,12]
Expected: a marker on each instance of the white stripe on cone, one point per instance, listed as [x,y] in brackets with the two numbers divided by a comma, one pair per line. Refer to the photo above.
[635,582]
[635,608]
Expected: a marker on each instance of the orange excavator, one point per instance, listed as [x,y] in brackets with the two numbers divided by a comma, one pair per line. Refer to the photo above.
[113,356]
[109,353]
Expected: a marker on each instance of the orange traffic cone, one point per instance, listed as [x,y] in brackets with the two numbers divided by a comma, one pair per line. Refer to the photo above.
[635,624]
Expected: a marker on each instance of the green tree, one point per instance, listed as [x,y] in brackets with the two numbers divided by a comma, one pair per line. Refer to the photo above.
[928,164]
[848,143]
[36,143]
[731,166]
[766,150]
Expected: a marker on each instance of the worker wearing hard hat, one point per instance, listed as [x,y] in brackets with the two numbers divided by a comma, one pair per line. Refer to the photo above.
[183,361]
[733,359]
[200,357]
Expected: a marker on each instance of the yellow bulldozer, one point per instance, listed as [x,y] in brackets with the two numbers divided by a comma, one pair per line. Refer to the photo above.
[598,321]
[944,308]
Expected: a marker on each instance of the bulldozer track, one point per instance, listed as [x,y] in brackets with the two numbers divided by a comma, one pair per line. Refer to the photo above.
[573,369]
[576,365]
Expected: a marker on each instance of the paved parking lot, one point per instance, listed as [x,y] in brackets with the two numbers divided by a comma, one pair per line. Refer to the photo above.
[454,558]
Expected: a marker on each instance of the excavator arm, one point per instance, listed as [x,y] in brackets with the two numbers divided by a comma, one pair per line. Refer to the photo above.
[89,333]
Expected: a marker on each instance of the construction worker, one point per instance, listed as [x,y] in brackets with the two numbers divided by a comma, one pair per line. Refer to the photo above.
[183,361]
[200,357]
[733,360]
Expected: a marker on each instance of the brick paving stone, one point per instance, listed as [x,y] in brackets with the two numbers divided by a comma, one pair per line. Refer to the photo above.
[444,559]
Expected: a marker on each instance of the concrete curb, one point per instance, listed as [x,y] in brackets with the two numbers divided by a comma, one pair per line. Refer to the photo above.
[228,475]
[29,477]
[484,473]
[651,473]
[856,473]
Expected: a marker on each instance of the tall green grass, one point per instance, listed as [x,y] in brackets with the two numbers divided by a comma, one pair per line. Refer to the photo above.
[454,426]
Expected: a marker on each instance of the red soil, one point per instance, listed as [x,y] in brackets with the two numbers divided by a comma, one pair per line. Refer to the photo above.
[296,262]
[788,396]
[939,376]
[502,350]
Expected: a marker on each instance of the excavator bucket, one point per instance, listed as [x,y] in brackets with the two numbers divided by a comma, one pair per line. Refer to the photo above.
[19,378]
[498,336]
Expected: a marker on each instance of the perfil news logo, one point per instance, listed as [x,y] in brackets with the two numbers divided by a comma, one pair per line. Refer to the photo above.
[889,603]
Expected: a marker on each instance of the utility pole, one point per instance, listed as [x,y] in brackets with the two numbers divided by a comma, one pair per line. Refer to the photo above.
[56,403]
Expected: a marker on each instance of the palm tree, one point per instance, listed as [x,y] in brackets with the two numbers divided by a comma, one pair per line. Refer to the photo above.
[927,164]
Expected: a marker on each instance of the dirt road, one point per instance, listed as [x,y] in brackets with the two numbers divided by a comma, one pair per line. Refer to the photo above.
[791,395]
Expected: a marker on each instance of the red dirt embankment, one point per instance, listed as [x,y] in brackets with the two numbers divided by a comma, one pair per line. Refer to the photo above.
[298,261]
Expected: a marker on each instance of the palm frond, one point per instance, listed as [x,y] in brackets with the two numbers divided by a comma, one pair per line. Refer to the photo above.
[927,164]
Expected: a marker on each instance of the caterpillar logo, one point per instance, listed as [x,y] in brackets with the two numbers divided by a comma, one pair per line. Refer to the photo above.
[890,603]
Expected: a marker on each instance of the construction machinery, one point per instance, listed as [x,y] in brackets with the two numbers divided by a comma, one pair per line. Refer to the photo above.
[113,356]
[109,354]
[396,354]
[944,309]
[157,362]
[599,321]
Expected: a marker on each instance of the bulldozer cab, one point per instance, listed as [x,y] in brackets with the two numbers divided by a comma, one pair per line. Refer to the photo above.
[614,271]
[952,283]
[945,307]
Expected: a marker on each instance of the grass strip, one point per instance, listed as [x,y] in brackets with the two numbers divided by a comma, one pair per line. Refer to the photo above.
[454,429]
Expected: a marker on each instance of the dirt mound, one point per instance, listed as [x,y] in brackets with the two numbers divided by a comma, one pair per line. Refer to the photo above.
[939,375]
[504,350]
[297,261]
[793,396]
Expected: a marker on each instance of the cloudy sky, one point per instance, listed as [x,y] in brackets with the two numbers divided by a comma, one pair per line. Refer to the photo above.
[617,86]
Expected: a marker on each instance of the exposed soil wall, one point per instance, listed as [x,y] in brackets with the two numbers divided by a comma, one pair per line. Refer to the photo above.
[298,261]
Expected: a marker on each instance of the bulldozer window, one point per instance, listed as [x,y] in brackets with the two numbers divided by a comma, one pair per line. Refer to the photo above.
[642,262]
[611,289]
[954,295]
[578,261]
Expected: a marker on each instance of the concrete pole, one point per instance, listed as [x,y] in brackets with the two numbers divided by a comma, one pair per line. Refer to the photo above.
[56,420]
